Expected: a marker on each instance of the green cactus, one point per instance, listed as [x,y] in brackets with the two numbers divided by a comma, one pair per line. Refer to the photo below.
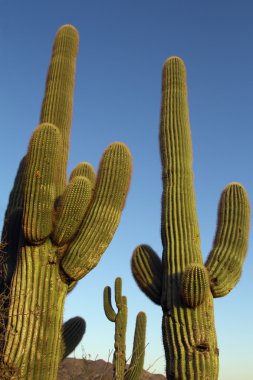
[180,283]
[55,233]
[72,333]
[120,371]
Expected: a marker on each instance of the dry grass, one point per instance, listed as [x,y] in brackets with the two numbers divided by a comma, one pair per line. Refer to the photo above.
[96,369]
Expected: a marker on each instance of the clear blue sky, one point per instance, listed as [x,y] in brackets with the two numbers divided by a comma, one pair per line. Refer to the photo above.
[123,45]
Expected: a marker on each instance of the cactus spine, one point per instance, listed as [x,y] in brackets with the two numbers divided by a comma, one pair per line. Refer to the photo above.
[133,372]
[181,284]
[55,232]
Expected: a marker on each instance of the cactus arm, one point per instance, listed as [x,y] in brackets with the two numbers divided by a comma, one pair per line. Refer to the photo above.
[195,285]
[135,368]
[13,237]
[71,285]
[147,271]
[72,334]
[71,210]
[225,261]
[84,169]
[103,215]
[12,230]
[57,104]
[40,182]
[16,194]
[109,311]
[71,207]
[12,226]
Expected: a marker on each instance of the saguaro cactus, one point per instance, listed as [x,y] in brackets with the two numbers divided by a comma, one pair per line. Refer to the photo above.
[55,232]
[133,372]
[181,284]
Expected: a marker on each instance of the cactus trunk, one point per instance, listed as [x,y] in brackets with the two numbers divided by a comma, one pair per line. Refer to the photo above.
[35,316]
[188,334]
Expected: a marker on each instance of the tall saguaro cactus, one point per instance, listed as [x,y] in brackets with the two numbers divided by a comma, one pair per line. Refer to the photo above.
[55,232]
[181,284]
[134,371]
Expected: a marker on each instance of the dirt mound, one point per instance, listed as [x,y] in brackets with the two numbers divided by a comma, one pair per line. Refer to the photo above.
[82,369]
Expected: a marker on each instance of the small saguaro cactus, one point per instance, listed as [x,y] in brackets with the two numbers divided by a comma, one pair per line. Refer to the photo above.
[55,232]
[120,371]
[180,283]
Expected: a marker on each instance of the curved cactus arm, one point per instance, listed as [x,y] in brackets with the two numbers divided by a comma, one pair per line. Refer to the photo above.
[71,286]
[73,331]
[109,311]
[16,195]
[71,209]
[226,259]
[84,170]
[146,268]
[103,215]
[195,285]
[12,230]
[40,182]
[13,238]
[135,368]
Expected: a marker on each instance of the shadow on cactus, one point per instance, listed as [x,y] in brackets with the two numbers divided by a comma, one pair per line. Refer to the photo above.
[55,231]
[120,370]
[180,283]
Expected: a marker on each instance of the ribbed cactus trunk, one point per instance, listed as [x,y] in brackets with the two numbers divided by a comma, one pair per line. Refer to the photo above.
[181,284]
[188,333]
[35,317]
